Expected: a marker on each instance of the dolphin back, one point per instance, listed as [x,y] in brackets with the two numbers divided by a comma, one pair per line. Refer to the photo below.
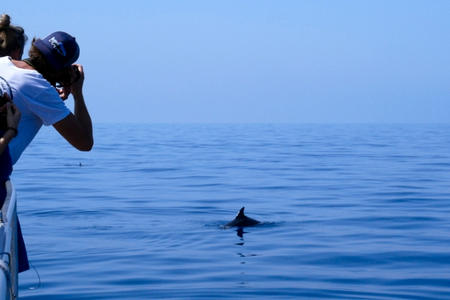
[241,220]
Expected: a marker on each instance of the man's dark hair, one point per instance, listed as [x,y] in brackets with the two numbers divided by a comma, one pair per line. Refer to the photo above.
[40,64]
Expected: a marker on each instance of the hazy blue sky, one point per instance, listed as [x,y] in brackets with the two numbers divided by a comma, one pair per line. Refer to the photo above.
[256,60]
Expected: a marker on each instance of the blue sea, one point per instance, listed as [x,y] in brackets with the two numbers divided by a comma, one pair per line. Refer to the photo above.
[357,211]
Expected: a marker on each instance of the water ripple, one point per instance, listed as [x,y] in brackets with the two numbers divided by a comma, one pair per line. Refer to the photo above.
[347,212]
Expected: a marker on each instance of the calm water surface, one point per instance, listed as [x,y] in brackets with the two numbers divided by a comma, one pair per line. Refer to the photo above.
[348,212]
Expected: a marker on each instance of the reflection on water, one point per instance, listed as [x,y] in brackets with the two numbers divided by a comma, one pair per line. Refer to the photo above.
[240,232]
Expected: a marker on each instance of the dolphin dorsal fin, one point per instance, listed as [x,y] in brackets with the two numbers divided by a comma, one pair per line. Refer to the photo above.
[241,213]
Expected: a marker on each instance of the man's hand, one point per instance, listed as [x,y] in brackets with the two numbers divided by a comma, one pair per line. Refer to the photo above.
[77,79]
[63,92]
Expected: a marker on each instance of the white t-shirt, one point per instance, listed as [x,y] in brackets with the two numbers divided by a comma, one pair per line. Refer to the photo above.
[37,100]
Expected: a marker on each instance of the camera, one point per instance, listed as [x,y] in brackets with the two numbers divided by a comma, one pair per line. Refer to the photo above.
[67,77]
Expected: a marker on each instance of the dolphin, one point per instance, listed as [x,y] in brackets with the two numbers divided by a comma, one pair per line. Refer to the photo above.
[242,220]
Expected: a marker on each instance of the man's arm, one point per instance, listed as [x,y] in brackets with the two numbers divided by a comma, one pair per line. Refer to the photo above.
[76,128]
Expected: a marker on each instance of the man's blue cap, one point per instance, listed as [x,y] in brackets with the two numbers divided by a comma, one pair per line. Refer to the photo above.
[59,49]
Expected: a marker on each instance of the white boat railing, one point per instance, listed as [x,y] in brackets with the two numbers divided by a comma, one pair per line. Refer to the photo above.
[8,246]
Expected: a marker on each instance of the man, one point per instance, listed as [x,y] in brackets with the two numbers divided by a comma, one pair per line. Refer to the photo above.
[39,84]
[33,84]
